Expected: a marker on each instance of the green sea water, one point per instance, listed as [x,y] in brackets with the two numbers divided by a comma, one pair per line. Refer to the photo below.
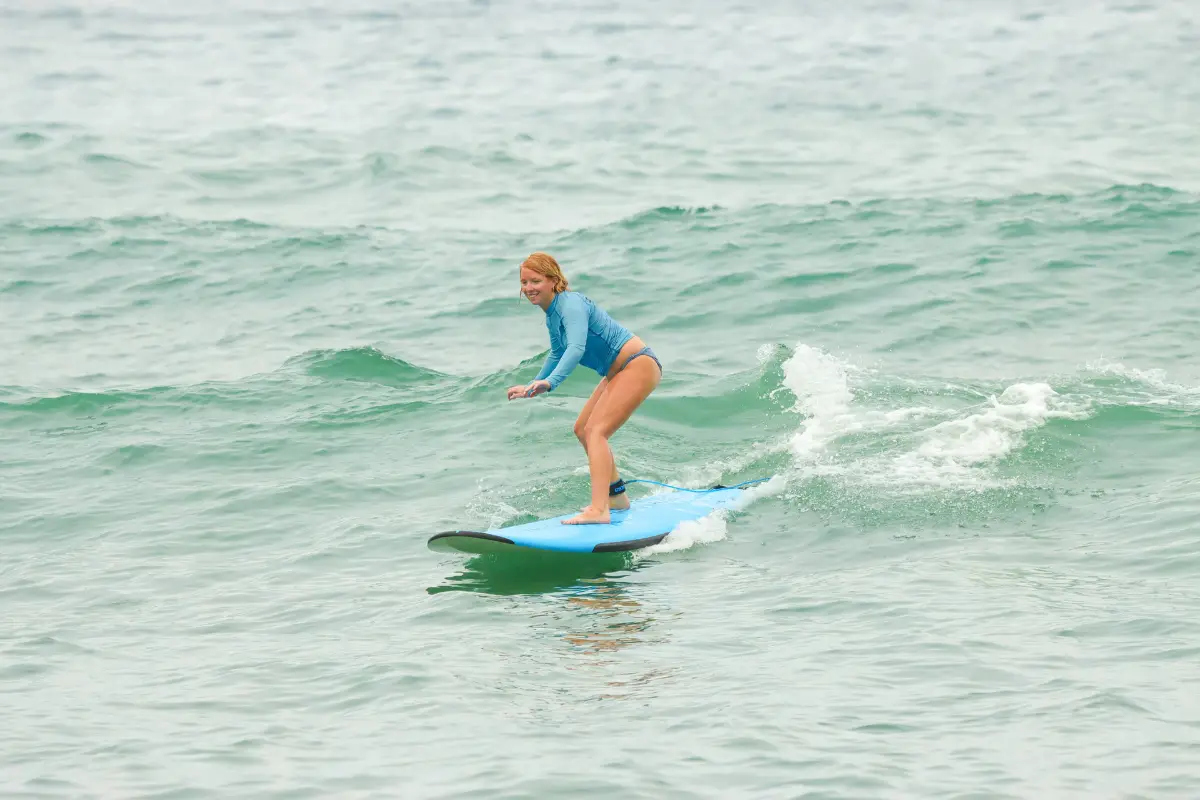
[935,268]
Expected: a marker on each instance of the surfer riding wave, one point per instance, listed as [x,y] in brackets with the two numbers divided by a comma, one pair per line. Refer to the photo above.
[583,333]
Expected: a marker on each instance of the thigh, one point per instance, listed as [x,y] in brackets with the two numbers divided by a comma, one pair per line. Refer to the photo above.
[588,407]
[626,391]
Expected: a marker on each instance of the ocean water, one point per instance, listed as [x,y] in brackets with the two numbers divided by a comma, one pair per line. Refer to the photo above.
[935,268]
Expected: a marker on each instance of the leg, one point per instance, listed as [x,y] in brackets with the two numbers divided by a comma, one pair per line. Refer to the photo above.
[625,392]
[621,501]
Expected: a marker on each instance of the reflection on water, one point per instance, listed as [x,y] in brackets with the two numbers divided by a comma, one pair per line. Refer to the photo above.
[582,600]
[599,623]
[532,572]
[606,607]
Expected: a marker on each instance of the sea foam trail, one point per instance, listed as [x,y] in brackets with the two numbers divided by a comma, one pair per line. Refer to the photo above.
[715,526]
[1150,386]
[954,454]
[993,432]
[821,385]
[951,453]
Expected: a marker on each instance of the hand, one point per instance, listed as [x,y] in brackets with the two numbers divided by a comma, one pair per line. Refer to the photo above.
[536,388]
[516,391]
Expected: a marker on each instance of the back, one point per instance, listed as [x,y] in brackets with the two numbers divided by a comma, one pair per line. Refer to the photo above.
[574,321]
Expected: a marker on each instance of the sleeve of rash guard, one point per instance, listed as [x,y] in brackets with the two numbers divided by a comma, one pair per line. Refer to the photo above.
[575,325]
[548,367]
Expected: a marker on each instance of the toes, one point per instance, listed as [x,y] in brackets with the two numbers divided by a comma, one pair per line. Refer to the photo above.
[583,519]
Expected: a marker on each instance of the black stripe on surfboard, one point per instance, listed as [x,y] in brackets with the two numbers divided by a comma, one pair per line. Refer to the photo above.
[632,544]
[604,547]
[470,535]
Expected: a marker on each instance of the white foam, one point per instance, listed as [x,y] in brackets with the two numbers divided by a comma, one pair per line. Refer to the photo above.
[715,526]
[766,352]
[993,432]
[768,488]
[1154,378]
[821,385]
[712,528]
[928,448]
[951,454]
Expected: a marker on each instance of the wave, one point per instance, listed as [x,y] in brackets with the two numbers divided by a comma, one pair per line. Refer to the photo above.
[939,444]
[841,439]
[23,401]
[490,383]
[22,285]
[661,213]
[358,365]
[162,224]
[888,450]
[490,307]
[949,453]
[366,364]
[29,139]
[1137,387]
[711,228]
[73,403]
[106,160]
[1105,207]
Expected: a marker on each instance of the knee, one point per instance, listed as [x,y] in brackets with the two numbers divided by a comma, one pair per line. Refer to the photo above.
[581,431]
[593,433]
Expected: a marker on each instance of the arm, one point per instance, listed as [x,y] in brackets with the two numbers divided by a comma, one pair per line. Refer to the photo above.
[548,367]
[575,324]
[530,390]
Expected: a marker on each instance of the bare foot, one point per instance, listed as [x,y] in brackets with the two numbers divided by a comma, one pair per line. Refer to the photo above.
[589,516]
[618,503]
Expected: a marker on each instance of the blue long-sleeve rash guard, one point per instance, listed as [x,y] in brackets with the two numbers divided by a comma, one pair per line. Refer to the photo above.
[580,333]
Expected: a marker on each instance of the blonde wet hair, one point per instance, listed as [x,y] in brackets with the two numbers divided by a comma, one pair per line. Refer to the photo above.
[545,265]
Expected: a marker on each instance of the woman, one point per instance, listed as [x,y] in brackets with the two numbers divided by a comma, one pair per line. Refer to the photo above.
[582,333]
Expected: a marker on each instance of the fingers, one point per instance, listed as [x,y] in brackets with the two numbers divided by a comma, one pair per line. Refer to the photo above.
[532,390]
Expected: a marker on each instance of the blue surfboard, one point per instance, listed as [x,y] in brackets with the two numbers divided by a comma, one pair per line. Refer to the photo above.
[647,522]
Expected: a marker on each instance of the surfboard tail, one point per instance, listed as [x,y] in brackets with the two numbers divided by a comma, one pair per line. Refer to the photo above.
[476,542]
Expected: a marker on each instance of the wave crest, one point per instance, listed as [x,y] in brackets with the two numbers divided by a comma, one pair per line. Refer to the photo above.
[365,364]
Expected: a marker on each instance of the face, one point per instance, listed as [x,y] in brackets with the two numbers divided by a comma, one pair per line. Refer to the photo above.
[537,287]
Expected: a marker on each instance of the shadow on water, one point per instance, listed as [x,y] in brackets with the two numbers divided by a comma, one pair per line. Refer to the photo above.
[532,573]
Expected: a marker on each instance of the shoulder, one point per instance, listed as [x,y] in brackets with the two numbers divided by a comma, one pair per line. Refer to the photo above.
[574,301]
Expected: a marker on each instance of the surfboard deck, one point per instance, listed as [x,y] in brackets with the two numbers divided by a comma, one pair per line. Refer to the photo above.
[646,522]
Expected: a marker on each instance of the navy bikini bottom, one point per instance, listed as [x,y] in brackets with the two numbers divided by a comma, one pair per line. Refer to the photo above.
[645,351]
